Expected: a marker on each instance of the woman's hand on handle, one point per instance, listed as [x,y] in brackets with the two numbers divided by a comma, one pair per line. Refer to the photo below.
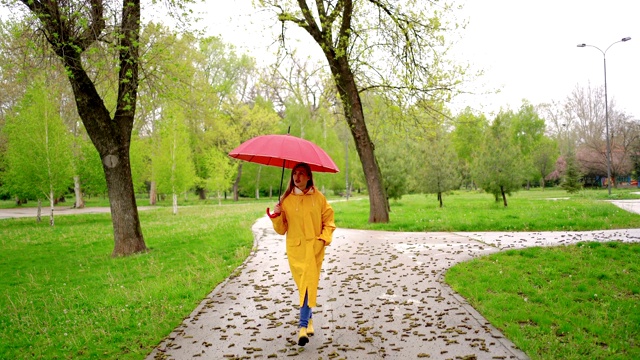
[276,211]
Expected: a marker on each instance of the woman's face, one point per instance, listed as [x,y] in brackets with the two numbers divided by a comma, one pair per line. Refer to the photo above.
[300,178]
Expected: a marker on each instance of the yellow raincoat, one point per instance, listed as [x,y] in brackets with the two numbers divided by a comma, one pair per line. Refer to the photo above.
[307,219]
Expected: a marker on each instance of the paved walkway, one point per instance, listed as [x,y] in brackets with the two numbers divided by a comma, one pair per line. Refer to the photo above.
[382,296]
[22,212]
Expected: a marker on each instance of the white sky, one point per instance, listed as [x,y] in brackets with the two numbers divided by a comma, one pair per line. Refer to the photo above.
[527,48]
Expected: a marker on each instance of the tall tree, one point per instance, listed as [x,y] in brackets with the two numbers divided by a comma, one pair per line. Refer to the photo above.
[221,170]
[467,139]
[543,156]
[370,44]
[497,167]
[527,129]
[175,173]
[396,143]
[220,82]
[39,151]
[72,28]
[571,176]
[440,166]
[586,113]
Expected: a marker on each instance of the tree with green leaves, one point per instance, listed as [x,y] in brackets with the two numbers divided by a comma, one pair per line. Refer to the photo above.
[89,168]
[571,176]
[395,169]
[395,143]
[169,73]
[467,139]
[140,162]
[497,168]
[527,129]
[440,166]
[544,155]
[39,148]
[376,44]
[74,30]
[221,172]
[219,82]
[250,120]
[173,164]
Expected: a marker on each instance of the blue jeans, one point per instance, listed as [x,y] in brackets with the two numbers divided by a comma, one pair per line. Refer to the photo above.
[305,312]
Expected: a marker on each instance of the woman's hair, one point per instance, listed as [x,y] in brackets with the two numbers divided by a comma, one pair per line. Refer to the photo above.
[292,185]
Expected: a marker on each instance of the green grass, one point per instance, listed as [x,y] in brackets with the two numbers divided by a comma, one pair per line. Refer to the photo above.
[532,210]
[570,302]
[63,296]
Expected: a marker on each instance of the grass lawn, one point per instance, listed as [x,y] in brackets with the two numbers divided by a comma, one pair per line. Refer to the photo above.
[532,210]
[63,296]
[570,302]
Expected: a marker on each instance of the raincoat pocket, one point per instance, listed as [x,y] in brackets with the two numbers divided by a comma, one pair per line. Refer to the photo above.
[293,241]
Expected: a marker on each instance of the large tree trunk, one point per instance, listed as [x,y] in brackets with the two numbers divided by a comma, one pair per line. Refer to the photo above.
[378,202]
[124,212]
[202,194]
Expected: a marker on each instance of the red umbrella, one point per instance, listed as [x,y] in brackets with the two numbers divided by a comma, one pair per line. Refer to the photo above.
[284,151]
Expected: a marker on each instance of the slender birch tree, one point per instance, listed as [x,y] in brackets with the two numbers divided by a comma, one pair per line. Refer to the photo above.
[175,173]
[39,148]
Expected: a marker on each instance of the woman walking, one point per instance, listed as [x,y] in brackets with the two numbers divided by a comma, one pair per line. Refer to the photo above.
[305,216]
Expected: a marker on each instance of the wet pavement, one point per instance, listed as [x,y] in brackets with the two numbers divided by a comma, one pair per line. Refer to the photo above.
[381,296]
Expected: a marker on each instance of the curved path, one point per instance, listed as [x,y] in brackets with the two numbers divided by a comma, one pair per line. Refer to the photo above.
[382,296]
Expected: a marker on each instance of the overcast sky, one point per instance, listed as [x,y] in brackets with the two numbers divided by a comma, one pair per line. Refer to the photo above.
[526,48]
[529,49]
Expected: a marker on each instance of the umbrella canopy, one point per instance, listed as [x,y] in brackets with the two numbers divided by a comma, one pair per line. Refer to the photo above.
[284,151]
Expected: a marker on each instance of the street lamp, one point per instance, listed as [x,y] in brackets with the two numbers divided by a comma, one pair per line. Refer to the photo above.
[606,105]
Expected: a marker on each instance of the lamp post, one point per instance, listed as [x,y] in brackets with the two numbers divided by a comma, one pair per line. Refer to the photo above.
[606,105]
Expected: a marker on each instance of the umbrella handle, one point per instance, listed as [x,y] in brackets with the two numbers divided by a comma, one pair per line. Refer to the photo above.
[273,216]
